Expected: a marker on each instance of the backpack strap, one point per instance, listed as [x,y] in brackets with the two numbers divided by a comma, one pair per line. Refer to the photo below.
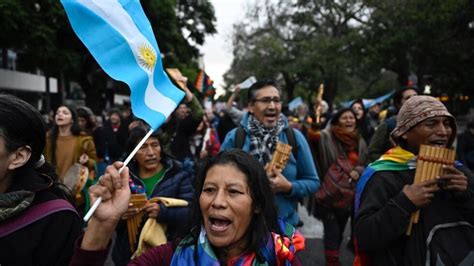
[239,137]
[290,134]
[34,214]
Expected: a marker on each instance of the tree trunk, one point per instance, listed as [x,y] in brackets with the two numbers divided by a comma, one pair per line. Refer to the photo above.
[402,68]
[94,91]
[4,58]
[93,82]
[47,98]
[330,91]
[290,85]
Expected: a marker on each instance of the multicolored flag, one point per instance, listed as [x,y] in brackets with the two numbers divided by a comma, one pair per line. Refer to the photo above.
[204,84]
[119,36]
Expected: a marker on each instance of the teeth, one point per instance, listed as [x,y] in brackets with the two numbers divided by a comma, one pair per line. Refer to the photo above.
[218,225]
[218,228]
[439,143]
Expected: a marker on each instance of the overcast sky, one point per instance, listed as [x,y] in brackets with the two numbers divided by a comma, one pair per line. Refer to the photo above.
[218,48]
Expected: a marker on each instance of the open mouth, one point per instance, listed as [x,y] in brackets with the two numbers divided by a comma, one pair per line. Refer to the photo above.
[349,126]
[270,117]
[219,224]
[439,143]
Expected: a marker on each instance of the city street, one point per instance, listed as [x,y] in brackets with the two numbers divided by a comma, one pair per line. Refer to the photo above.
[230,119]
[313,232]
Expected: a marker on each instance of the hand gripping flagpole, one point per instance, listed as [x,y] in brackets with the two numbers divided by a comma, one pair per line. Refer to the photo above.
[127,160]
[119,36]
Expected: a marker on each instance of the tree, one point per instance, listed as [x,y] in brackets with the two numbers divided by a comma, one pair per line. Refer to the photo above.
[304,42]
[41,35]
[177,37]
[424,38]
[357,48]
[12,17]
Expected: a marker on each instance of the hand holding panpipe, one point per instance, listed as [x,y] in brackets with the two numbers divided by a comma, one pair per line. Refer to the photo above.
[280,157]
[429,165]
[134,221]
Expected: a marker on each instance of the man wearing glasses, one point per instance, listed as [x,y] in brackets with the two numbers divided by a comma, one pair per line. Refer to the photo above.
[264,125]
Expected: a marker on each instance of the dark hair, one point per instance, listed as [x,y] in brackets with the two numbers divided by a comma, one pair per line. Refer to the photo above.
[257,86]
[265,220]
[137,134]
[470,124]
[75,130]
[114,111]
[22,125]
[398,96]
[361,102]
[336,116]
[83,113]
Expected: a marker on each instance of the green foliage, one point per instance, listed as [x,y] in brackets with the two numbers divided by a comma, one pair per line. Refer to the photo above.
[357,48]
[176,34]
[41,35]
[12,18]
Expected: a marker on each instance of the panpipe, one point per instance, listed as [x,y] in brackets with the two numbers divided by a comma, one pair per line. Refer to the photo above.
[319,99]
[280,156]
[134,222]
[429,165]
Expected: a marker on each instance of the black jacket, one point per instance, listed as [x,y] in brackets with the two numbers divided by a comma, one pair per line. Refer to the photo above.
[385,213]
[465,149]
[110,142]
[177,132]
[176,183]
[49,241]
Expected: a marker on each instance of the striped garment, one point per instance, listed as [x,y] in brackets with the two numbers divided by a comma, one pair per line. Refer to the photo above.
[278,249]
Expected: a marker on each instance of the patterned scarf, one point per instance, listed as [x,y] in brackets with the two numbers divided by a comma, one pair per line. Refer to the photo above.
[263,140]
[278,250]
[349,140]
[13,203]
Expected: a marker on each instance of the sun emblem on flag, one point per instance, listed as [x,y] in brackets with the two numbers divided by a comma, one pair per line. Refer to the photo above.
[146,56]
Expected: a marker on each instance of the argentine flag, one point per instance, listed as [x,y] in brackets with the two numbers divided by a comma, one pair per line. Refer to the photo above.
[120,37]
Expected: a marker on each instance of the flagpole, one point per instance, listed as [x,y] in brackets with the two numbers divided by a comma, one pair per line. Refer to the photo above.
[127,160]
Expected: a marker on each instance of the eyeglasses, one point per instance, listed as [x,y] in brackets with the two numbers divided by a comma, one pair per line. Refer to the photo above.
[268,100]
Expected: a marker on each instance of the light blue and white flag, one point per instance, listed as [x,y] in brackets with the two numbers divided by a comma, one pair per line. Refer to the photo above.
[295,103]
[120,37]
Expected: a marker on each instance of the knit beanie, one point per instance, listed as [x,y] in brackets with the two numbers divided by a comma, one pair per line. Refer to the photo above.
[416,110]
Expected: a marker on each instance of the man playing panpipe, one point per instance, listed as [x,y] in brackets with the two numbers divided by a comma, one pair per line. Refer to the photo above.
[387,196]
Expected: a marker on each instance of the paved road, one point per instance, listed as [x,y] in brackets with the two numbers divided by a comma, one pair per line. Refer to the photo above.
[312,229]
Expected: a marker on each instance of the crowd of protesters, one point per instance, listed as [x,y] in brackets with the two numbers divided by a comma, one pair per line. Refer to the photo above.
[234,208]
